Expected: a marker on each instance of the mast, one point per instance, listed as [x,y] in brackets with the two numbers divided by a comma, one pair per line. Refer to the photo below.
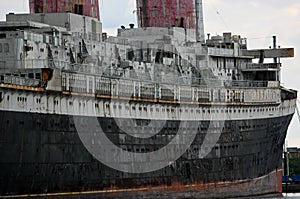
[199,21]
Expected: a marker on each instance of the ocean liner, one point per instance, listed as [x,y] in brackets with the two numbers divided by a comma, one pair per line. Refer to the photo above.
[158,111]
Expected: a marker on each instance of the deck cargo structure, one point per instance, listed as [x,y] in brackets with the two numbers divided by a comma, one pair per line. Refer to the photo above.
[154,112]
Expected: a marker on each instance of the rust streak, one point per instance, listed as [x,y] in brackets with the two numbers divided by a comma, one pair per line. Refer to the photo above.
[175,187]
[19,87]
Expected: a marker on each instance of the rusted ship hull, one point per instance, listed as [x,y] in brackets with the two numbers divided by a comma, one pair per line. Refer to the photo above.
[266,186]
[42,153]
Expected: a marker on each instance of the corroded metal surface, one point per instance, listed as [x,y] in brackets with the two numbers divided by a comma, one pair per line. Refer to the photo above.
[88,7]
[258,187]
[68,93]
[168,13]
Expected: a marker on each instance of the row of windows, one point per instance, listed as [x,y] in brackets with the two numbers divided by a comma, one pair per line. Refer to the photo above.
[259,126]
[140,108]
[4,47]
[107,106]
[22,99]
[226,147]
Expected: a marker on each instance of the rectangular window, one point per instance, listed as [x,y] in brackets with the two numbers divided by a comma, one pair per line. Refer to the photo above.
[37,76]
[6,48]
[0,48]
[78,9]
[30,75]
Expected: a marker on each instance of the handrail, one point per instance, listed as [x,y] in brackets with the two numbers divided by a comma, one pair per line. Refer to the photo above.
[85,69]
[263,66]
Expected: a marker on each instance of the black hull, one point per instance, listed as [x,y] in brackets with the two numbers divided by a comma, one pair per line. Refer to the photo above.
[42,153]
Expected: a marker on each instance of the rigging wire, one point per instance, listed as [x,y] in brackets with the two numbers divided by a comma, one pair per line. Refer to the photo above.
[219,15]
[214,7]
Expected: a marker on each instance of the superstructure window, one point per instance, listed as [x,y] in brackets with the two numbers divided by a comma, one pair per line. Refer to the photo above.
[37,76]
[30,75]
[78,9]
[6,48]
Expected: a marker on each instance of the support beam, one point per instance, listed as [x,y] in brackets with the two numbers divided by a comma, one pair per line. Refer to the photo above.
[269,53]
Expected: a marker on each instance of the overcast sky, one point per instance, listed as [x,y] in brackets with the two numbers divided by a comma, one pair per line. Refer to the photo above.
[258,20]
